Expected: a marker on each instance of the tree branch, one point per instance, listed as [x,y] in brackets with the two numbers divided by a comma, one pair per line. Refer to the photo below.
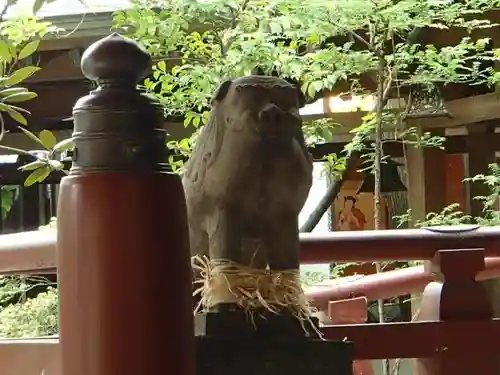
[326,201]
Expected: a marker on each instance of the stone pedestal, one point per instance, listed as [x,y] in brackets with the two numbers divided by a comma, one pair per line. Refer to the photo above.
[234,323]
[267,356]
[231,342]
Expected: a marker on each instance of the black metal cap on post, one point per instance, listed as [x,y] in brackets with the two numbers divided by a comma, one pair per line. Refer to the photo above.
[116,127]
[116,57]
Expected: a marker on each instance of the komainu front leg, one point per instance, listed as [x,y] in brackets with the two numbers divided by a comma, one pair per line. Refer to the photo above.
[224,239]
[282,240]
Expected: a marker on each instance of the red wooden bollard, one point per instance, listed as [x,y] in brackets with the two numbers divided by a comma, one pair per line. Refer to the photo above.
[123,252]
[352,311]
[459,298]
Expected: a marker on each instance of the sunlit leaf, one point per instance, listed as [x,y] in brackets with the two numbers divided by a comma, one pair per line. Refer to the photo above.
[16,116]
[47,139]
[12,90]
[20,97]
[56,164]
[20,75]
[38,175]
[32,166]
[5,52]
[28,49]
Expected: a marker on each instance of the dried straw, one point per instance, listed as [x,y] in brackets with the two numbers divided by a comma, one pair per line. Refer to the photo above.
[225,281]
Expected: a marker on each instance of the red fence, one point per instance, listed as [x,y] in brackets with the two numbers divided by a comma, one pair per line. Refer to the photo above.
[455,333]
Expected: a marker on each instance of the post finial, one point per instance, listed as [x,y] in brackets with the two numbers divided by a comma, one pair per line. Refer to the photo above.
[117,127]
[116,58]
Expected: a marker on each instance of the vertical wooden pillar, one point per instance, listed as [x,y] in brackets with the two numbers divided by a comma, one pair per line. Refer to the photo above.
[481,150]
[124,264]
[481,153]
[427,194]
[435,176]
[414,181]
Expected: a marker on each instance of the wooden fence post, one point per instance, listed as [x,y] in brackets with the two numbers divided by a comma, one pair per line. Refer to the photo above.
[123,252]
[459,298]
[352,311]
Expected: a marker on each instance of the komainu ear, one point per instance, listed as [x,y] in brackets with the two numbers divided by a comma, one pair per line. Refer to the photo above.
[221,91]
[300,96]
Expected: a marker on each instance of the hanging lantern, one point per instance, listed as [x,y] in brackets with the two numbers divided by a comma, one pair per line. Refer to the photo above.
[391,181]
[426,101]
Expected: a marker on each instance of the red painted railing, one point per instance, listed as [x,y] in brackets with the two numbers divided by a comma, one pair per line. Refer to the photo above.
[455,332]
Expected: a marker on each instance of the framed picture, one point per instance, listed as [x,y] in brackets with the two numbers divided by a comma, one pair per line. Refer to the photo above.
[352,211]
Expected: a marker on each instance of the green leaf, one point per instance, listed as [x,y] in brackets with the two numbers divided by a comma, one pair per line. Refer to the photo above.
[38,175]
[14,107]
[20,97]
[188,118]
[16,116]
[31,135]
[7,193]
[38,5]
[33,165]
[162,66]
[56,164]
[12,90]
[20,75]
[28,49]
[47,139]
[64,145]
[5,52]
[196,121]
[310,90]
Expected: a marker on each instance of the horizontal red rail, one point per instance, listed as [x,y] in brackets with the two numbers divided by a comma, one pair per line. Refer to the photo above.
[418,339]
[28,252]
[385,285]
[375,286]
[396,244]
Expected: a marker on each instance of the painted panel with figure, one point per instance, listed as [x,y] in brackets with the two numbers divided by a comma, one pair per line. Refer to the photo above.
[352,211]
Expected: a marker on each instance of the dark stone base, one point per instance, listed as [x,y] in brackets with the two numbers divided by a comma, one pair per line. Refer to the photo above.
[254,356]
[231,322]
[230,342]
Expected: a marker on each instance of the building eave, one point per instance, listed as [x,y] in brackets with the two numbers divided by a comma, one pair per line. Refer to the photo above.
[82,25]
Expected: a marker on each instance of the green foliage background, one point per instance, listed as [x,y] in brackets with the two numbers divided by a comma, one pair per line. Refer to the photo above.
[320,45]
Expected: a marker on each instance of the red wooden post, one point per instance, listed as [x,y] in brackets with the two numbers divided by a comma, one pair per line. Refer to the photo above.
[458,299]
[124,267]
[351,311]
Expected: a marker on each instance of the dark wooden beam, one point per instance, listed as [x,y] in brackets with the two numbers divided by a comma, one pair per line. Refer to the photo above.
[456,144]
[463,111]
[434,175]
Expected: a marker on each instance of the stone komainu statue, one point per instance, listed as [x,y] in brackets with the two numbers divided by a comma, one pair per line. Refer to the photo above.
[249,175]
